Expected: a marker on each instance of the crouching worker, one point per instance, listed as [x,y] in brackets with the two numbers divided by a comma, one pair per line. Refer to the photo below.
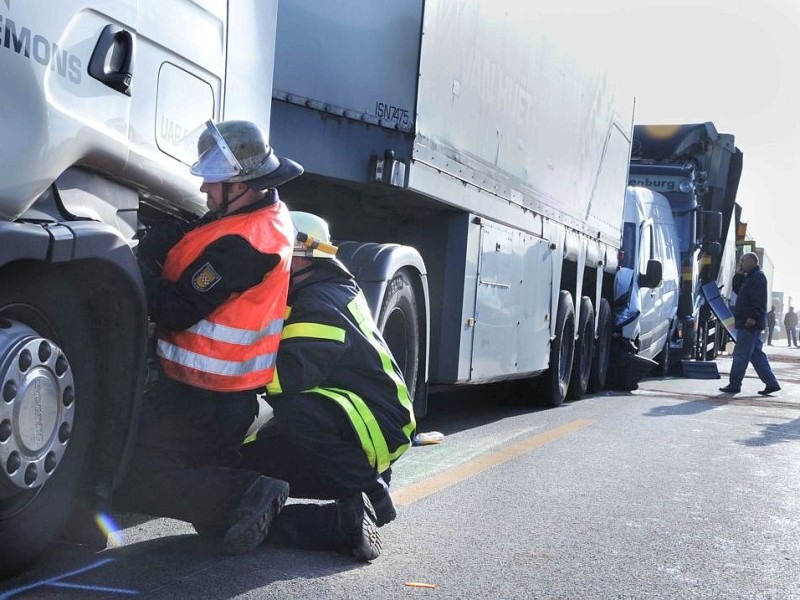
[342,413]
[217,293]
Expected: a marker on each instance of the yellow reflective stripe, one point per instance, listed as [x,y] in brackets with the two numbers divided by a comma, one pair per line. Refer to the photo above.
[274,386]
[360,310]
[399,452]
[313,330]
[362,430]
[250,438]
[374,429]
[217,366]
[288,313]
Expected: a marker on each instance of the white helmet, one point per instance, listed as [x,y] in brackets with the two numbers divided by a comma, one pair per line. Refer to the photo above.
[232,151]
[312,236]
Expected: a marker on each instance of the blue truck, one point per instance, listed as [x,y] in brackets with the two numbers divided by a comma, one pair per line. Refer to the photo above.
[698,170]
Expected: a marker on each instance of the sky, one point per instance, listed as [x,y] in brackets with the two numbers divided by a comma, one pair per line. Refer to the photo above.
[733,62]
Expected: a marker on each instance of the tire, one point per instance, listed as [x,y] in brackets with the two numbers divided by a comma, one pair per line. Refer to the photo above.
[667,365]
[602,349]
[400,326]
[31,519]
[584,351]
[664,360]
[562,351]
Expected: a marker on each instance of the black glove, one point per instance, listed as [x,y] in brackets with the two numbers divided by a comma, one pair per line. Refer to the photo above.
[156,243]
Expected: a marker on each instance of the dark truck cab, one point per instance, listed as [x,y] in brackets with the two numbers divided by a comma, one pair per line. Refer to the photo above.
[698,170]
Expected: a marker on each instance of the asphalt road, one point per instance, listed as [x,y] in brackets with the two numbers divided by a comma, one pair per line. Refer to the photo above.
[672,491]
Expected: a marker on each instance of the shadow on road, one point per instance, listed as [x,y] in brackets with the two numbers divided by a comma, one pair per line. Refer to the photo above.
[775,433]
[685,408]
[466,407]
[182,566]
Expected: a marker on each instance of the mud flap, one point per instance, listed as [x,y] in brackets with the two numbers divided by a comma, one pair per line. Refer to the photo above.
[719,307]
[626,369]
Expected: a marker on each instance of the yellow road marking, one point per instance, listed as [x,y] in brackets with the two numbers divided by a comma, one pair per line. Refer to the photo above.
[454,475]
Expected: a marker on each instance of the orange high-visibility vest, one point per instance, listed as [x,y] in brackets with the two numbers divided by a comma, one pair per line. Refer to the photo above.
[234,347]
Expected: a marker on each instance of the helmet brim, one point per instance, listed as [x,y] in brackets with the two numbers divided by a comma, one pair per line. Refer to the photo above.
[286,171]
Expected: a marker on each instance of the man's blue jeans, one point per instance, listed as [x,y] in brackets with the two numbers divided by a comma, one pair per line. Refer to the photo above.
[748,349]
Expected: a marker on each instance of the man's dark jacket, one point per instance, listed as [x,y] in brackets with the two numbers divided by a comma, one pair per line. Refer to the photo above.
[354,363]
[751,301]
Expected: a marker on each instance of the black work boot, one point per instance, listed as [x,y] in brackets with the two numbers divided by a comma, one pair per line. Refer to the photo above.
[260,504]
[356,533]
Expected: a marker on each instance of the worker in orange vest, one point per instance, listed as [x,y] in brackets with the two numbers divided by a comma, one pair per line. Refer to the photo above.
[217,293]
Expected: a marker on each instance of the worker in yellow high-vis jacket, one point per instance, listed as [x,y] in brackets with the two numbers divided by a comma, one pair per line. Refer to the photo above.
[342,412]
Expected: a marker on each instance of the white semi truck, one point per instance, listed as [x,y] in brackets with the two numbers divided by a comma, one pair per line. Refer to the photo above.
[479,166]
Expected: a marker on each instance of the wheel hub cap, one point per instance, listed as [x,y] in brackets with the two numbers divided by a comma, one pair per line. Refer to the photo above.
[37,407]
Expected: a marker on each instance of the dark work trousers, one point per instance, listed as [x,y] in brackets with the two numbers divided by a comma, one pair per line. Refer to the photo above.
[310,443]
[791,336]
[748,349]
[185,463]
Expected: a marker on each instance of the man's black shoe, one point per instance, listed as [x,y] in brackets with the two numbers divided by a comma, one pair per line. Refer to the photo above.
[729,389]
[356,533]
[769,390]
[259,505]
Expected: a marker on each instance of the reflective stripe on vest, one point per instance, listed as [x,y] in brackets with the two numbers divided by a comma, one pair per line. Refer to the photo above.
[360,310]
[234,335]
[217,366]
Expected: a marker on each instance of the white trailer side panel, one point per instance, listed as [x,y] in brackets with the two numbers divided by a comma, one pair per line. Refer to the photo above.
[511,329]
[485,91]
[356,58]
[498,95]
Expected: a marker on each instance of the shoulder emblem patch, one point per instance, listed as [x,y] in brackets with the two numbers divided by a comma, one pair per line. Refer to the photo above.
[205,278]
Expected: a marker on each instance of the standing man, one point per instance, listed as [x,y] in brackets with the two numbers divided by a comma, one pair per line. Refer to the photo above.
[790,322]
[750,314]
[342,412]
[771,321]
[217,294]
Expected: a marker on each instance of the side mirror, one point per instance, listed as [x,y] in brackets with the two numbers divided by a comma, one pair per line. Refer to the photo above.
[712,226]
[652,278]
[712,248]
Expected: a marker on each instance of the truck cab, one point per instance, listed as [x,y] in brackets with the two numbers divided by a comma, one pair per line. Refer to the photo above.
[96,104]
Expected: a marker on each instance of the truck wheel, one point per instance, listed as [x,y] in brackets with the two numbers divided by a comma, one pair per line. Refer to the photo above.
[665,367]
[399,323]
[562,350]
[602,348]
[584,348]
[46,413]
